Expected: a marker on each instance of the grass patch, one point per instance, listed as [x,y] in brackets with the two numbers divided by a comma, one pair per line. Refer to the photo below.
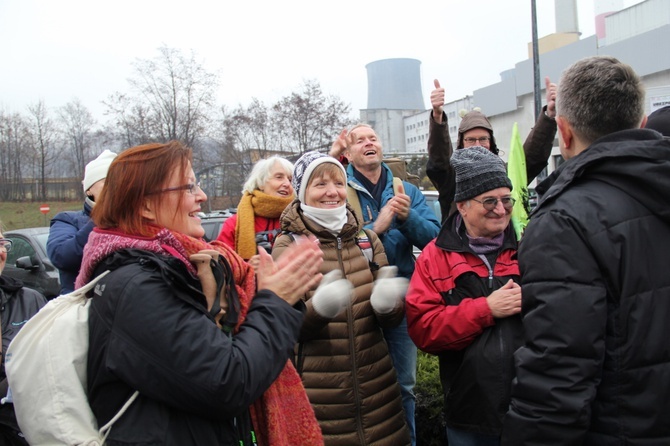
[429,416]
[19,215]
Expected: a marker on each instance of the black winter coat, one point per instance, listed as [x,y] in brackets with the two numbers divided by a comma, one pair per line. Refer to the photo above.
[150,331]
[595,368]
[17,305]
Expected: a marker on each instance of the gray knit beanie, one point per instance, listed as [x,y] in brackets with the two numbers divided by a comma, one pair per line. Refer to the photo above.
[303,168]
[477,171]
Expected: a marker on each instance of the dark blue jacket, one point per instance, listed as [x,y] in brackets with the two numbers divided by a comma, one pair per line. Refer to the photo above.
[65,246]
[419,229]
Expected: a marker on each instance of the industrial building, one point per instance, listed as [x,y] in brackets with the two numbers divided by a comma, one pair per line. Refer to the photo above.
[628,34]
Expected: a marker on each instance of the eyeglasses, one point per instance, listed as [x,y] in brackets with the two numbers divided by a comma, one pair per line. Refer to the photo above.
[491,203]
[5,244]
[480,140]
[192,189]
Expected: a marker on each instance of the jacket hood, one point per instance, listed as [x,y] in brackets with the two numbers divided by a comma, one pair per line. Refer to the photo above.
[635,161]
[10,284]
[472,120]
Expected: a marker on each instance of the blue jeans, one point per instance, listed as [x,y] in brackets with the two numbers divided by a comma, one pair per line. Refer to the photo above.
[403,355]
[457,437]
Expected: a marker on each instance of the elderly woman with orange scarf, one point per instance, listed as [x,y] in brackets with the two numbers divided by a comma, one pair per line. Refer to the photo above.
[188,324]
[267,192]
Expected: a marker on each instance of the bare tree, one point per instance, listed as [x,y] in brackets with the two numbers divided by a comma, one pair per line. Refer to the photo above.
[14,137]
[132,121]
[42,132]
[308,119]
[77,125]
[251,128]
[179,91]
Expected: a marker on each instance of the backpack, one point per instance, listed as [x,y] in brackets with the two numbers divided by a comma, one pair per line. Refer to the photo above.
[46,371]
[399,168]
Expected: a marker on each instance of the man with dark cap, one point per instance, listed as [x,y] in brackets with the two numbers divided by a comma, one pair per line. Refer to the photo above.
[463,302]
[595,365]
[476,130]
[660,121]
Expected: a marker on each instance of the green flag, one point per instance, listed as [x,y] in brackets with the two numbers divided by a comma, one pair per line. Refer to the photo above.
[516,170]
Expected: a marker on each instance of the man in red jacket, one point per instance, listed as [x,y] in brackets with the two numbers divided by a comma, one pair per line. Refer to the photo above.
[463,303]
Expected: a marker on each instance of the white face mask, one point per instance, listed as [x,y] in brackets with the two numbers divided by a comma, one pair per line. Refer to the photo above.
[331,219]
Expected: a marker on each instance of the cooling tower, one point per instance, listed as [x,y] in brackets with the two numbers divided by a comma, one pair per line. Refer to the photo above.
[395,84]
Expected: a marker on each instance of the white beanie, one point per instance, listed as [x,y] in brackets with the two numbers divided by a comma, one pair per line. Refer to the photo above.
[303,168]
[96,170]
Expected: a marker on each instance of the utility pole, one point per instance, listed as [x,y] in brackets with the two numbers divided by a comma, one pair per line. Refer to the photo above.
[537,88]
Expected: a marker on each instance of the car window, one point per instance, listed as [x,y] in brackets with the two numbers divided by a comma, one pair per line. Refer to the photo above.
[433,204]
[20,248]
[42,240]
[212,229]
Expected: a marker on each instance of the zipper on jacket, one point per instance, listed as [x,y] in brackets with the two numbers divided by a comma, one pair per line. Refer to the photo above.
[339,256]
[352,349]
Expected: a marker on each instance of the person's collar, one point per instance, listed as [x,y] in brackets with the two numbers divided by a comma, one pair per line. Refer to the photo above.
[372,175]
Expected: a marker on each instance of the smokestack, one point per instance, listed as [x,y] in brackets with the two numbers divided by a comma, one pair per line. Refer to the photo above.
[566,17]
[395,84]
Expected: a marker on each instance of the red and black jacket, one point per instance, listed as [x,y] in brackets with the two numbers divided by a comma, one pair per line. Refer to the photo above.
[448,315]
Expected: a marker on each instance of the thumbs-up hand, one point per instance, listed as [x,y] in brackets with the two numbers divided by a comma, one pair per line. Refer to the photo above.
[551,97]
[437,101]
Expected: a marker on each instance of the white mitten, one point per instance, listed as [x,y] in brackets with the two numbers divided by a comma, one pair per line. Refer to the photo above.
[332,295]
[388,290]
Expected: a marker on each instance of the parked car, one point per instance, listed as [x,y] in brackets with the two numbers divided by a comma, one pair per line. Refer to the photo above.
[212,222]
[28,261]
[431,199]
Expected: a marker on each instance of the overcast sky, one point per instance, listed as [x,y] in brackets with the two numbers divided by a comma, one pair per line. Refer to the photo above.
[58,50]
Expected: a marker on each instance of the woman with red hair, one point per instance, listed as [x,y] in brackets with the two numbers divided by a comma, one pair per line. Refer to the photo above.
[184,322]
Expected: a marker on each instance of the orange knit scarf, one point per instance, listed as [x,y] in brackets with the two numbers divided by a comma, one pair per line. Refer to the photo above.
[257,203]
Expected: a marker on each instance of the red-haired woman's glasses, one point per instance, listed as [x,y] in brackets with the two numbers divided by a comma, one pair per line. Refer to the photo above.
[191,188]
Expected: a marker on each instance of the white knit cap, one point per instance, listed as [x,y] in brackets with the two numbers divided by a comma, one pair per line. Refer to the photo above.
[96,170]
[303,168]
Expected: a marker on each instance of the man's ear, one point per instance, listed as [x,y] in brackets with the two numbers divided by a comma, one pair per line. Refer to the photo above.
[148,211]
[347,155]
[565,131]
[461,207]
[643,124]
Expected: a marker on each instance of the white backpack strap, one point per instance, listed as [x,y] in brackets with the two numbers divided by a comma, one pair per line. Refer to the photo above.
[89,286]
[106,429]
